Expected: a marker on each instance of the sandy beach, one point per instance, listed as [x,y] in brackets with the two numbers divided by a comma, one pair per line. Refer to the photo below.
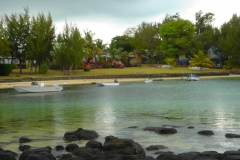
[89,81]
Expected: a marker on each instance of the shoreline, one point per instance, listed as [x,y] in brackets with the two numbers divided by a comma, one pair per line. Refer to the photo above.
[6,85]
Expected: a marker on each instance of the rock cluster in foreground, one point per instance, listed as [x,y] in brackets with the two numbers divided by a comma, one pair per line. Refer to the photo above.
[113,148]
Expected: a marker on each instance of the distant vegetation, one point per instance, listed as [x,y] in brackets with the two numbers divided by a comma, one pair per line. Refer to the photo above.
[32,41]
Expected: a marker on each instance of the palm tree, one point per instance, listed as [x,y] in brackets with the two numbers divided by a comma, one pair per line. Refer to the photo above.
[90,47]
[171,62]
[201,60]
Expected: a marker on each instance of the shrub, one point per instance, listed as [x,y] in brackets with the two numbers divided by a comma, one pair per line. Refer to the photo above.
[5,69]
[133,62]
[86,69]
[117,64]
[106,65]
[43,68]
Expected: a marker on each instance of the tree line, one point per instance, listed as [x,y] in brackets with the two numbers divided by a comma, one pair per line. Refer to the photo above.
[33,39]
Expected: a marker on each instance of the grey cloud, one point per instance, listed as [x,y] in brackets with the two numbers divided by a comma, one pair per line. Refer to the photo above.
[123,10]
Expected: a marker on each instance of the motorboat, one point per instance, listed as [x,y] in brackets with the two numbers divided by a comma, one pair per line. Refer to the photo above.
[193,77]
[108,84]
[147,80]
[35,88]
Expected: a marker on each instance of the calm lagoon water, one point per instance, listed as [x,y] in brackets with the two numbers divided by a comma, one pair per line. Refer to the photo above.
[206,104]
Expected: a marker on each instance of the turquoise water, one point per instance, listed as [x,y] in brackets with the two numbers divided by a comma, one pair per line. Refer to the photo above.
[206,104]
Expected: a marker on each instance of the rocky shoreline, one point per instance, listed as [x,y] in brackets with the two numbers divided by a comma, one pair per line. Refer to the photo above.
[162,75]
[113,148]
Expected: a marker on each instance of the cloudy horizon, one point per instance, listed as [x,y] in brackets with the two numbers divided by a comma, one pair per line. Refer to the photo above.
[110,18]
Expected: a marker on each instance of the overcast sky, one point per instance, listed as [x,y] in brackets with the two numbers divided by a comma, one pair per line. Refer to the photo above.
[109,18]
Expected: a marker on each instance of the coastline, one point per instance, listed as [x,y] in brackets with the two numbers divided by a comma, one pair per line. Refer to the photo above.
[6,85]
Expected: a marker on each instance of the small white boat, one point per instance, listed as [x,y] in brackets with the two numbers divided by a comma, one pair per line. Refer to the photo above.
[35,88]
[108,84]
[147,80]
[193,77]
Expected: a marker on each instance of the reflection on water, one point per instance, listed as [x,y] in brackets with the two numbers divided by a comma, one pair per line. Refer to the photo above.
[206,104]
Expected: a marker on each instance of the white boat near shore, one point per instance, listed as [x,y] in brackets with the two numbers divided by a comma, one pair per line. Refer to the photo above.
[147,80]
[193,77]
[108,84]
[35,88]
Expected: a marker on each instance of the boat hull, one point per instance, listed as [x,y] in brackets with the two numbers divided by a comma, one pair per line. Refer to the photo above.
[147,80]
[37,89]
[108,84]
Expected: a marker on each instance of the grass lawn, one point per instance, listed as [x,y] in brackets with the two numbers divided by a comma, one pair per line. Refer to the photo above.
[144,69]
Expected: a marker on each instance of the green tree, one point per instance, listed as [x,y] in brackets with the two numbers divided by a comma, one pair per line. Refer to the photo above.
[18,26]
[229,40]
[90,46]
[121,42]
[41,39]
[43,68]
[177,37]
[146,37]
[200,60]
[4,43]
[171,61]
[203,22]
[69,47]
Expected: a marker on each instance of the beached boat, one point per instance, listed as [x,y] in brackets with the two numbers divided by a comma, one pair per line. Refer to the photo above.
[147,80]
[35,88]
[193,77]
[108,84]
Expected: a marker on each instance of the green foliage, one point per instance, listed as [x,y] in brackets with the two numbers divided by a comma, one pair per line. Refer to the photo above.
[230,38]
[69,47]
[87,68]
[5,69]
[43,68]
[171,62]
[14,66]
[41,39]
[18,26]
[230,64]
[133,62]
[177,37]
[106,65]
[201,60]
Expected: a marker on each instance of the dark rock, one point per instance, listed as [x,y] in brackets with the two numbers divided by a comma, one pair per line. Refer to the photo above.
[190,127]
[10,153]
[229,135]
[71,147]
[212,154]
[188,155]
[59,148]
[24,147]
[161,130]
[37,154]
[152,128]
[133,127]
[72,137]
[6,156]
[122,146]
[63,156]
[86,152]
[24,140]
[155,147]
[80,134]
[86,134]
[167,156]
[206,132]
[166,131]
[231,153]
[94,144]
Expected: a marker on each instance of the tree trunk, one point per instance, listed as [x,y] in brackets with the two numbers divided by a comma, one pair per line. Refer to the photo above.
[70,70]
[31,68]
[20,67]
